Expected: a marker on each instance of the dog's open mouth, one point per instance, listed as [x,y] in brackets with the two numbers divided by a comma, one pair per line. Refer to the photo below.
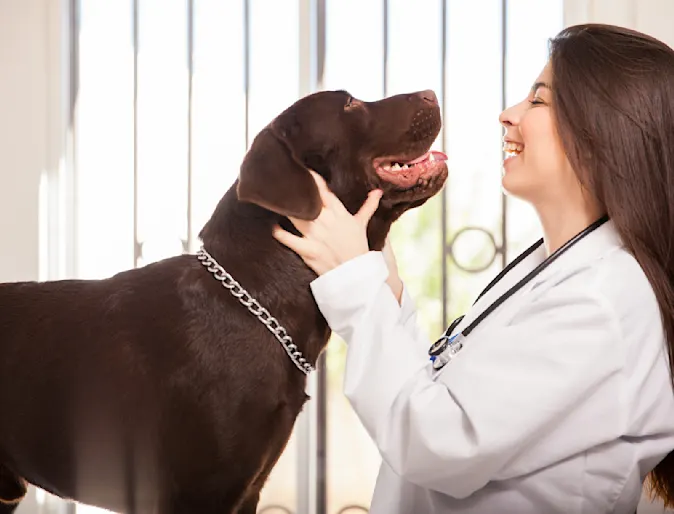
[406,174]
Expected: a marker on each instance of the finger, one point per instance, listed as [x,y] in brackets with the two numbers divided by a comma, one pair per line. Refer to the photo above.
[304,226]
[370,206]
[329,198]
[315,230]
[301,246]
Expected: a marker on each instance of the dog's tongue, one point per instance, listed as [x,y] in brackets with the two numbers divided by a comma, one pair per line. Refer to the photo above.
[437,156]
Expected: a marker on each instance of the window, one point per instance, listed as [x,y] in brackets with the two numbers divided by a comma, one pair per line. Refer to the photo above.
[171,93]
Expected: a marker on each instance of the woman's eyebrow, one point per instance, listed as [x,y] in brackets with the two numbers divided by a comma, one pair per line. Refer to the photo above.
[538,85]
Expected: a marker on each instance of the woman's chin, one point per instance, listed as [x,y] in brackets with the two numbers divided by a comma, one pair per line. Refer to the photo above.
[511,180]
[510,162]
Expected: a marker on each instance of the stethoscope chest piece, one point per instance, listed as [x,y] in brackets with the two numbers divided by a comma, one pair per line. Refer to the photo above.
[447,346]
[444,349]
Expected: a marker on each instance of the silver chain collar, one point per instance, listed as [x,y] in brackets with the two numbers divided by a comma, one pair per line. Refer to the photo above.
[256,309]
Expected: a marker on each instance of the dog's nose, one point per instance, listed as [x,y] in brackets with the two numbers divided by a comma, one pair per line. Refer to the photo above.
[429,96]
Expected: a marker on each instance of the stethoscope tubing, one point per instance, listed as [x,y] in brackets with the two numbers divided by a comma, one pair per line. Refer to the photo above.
[443,344]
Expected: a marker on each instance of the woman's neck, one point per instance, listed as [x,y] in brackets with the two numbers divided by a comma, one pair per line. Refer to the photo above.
[563,223]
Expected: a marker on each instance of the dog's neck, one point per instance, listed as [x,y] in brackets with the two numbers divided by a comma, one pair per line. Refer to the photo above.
[237,228]
[239,237]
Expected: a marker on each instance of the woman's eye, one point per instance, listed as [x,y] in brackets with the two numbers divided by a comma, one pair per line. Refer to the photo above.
[536,101]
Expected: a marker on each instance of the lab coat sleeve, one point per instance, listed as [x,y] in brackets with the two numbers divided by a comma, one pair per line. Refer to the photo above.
[341,288]
[494,411]
[409,320]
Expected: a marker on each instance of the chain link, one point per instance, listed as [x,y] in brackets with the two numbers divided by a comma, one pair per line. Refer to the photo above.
[256,309]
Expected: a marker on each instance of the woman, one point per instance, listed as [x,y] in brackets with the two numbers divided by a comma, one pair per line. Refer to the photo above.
[560,398]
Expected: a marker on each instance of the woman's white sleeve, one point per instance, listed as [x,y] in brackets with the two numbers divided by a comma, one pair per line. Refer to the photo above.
[515,399]
[410,321]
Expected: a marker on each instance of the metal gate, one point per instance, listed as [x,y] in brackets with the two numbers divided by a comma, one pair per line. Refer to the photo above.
[168,94]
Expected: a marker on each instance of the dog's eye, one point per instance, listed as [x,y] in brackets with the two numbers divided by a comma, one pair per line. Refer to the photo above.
[351,103]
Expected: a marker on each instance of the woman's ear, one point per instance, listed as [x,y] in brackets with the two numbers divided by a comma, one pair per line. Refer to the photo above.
[272,178]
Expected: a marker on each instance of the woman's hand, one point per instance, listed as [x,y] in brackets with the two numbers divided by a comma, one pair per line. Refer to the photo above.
[333,238]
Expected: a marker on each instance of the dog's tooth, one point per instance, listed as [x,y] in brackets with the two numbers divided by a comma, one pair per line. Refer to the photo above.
[431,158]
[387,167]
[405,166]
[395,167]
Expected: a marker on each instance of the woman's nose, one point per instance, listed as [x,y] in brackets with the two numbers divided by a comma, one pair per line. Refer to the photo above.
[507,117]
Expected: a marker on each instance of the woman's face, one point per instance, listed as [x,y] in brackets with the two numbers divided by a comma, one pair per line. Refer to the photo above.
[535,168]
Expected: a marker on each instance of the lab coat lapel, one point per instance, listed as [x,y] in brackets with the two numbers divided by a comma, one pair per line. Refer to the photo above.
[514,275]
[584,252]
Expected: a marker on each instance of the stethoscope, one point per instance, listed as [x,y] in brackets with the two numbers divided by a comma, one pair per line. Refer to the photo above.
[445,348]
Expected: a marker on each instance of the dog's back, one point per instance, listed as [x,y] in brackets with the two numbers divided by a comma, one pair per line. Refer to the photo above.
[78,376]
[126,376]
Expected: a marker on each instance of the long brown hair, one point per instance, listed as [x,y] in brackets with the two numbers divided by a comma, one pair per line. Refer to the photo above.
[613,100]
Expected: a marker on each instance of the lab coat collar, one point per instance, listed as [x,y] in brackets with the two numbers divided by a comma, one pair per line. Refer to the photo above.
[598,243]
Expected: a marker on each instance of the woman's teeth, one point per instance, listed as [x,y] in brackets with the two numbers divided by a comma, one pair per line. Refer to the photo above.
[512,149]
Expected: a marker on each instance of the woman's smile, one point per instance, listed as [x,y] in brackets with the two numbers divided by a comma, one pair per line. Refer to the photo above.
[512,150]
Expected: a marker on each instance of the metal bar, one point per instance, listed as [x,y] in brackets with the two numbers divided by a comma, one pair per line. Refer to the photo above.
[312,472]
[385,49]
[305,430]
[311,426]
[306,424]
[70,507]
[444,200]
[307,46]
[246,65]
[190,75]
[320,43]
[74,28]
[504,54]
[136,246]
[322,436]
[322,458]
[71,254]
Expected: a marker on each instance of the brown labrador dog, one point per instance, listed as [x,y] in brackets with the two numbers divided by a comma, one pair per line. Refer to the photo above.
[157,390]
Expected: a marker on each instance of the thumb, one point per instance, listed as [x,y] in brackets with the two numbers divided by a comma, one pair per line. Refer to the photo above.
[368,209]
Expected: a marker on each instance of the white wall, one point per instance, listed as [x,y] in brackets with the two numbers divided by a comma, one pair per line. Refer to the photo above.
[654,17]
[31,134]
[31,121]
[23,131]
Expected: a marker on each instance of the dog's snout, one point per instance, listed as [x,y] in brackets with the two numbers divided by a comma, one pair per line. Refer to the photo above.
[428,96]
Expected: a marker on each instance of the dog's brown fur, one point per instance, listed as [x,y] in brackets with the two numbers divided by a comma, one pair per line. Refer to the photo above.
[155,390]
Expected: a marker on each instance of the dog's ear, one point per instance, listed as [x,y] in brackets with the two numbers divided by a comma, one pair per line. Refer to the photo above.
[272,178]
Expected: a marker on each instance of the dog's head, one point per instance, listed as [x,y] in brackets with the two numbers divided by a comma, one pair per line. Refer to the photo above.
[355,145]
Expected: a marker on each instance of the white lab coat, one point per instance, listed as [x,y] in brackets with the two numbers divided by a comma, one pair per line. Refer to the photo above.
[559,402]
